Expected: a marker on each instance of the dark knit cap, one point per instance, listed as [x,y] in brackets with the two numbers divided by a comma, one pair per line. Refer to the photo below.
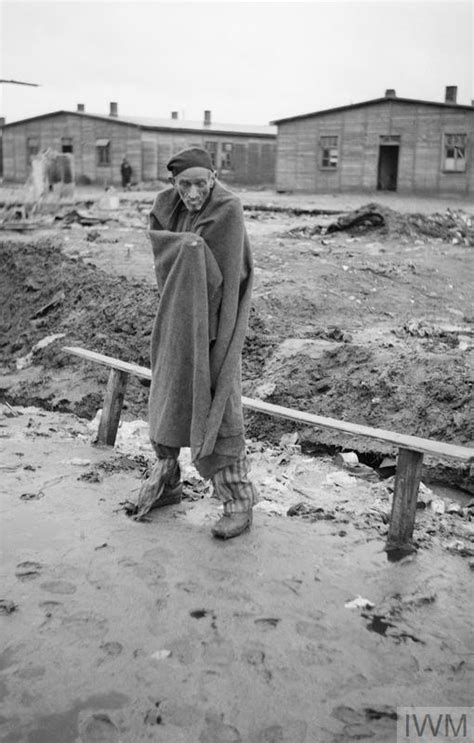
[192,157]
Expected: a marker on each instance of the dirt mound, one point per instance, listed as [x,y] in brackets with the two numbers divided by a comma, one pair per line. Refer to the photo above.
[454,226]
[50,296]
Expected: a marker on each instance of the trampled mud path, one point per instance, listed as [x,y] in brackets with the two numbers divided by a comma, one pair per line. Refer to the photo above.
[114,630]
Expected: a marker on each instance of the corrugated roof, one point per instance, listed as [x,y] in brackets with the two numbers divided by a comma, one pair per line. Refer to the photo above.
[373,102]
[178,125]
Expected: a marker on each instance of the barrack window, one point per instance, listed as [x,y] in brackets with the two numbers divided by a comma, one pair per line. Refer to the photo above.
[455,153]
[329,151]
[102,147]
[227,162]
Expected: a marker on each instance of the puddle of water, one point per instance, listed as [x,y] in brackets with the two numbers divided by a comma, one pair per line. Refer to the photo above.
[64,727]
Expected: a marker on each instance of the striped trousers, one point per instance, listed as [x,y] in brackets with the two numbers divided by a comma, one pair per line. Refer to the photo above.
[231,484]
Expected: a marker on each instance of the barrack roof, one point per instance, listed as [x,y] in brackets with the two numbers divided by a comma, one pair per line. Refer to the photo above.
[178,125]
[373,102]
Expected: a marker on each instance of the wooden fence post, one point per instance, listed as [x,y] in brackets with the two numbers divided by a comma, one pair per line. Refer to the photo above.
[402,520]
[112,407]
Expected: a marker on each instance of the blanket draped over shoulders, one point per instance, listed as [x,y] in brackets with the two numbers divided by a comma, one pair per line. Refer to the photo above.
[204,279]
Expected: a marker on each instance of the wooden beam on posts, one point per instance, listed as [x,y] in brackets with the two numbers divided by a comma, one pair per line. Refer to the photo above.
[112,408]
[402,520]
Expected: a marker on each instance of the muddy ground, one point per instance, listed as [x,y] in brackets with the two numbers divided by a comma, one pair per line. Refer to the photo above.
[372,325]
[300,631]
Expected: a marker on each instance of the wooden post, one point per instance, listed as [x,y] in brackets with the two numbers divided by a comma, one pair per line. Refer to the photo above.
[402,520]
[112,407]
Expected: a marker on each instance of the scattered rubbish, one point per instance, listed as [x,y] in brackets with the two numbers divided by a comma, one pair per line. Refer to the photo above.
[455,508]
[56,299]
[289,439]
[361,471]
[438,505]
[459,547]
[32,496]
[160,654]
[264,391]
[25,361]
[453,226]
[78,462]
[73,216]
[11,412]
[92,235]
[359,603]
[340,479]
[310,513]
[7,606]
[387,466]
[271,507]
[110,200]
[344,458]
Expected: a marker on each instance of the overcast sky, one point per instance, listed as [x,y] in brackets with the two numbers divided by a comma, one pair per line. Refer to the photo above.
[249,62]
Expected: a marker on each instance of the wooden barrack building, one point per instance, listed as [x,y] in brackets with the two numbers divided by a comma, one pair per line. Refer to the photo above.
[243,155]
[389,143]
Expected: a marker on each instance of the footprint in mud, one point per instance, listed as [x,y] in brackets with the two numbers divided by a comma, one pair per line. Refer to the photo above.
[112,648]
[382,719]
[8,657]
[158,555]
[189,586]
[180,715]
[51,608]
[289,731]
[58,586]
[267,623]
[322,655]
[255,657]
[218,652]
[310,630]
[86,625]
[152,574]
[28,570]
[216,731]
[183,650]
[31,672]
[99,728]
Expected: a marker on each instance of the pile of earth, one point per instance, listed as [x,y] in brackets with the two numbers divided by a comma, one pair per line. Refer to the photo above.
[51,300]
[48,296]
[454,226]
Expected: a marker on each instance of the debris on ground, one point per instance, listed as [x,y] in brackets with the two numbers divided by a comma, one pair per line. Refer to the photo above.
[7,606]
[453,226]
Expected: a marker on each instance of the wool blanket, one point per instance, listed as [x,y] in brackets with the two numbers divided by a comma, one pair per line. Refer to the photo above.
[204,279]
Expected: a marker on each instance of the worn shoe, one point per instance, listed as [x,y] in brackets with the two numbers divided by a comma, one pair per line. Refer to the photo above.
[232,524]
[170,497]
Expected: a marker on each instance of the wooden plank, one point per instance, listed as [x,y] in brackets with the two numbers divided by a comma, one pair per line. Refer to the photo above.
[99,358]
[414,443]
[402,519]
[425,446]
[112,408]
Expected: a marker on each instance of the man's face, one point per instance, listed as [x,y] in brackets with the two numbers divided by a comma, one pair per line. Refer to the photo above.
[194,186]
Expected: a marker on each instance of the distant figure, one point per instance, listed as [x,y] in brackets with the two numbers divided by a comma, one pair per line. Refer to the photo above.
[126,172]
